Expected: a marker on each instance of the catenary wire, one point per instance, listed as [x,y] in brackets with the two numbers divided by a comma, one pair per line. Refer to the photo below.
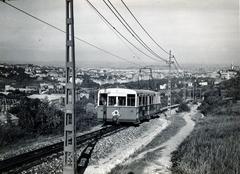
[106,21]
[143,27]
[122,40]
[79,39]
[128,9]
[177,63]
[130,30]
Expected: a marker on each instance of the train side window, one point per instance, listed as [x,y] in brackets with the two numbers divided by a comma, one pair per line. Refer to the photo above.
[151,100]
[143,100]
[103,99]
[112,101]
[121,101]
[130,100]
[139,100]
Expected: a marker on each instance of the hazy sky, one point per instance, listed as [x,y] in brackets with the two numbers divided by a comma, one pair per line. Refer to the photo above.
[196,31]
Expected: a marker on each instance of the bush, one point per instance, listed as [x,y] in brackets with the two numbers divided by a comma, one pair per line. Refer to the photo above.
[183,107]
[210,104]
[10,134]
[38,117]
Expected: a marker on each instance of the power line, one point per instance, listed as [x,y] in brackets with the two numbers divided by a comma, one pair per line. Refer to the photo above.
[131,31]
[177,63]
[109,24]
[176,67]
[59,29]
[148,33]
[130,49]
[123,41]
[143,27]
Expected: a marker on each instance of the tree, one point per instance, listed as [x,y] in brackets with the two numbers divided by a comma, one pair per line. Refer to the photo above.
[39,117]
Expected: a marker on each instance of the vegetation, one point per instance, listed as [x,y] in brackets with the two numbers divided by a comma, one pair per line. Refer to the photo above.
[85,120]
[9,133]
[213,147]
[88,83]
[35,118]
[183,107]
[16,73]
[38,117]
[232,87]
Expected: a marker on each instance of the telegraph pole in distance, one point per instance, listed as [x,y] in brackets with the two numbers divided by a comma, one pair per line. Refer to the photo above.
[69,161]
[194,91]
[184,87]
[169,83]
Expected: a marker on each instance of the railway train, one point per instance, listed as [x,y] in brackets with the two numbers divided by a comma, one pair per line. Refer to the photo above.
[116,105]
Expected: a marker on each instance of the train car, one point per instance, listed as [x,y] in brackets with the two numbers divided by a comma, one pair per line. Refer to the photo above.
[127,105]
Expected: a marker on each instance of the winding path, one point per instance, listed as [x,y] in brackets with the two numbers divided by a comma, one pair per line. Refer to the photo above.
[162,164]
[157,160]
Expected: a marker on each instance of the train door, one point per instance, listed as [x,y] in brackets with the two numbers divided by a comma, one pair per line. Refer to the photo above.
[103,102]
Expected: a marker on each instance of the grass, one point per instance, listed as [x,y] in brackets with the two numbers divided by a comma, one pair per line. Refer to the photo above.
[214,145]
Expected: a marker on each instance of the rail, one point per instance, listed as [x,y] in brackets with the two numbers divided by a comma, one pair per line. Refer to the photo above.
[29,159]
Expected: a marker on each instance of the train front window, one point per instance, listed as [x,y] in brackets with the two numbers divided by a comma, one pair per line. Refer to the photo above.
[130,100]
[122,101]
[103,99]
[112,101]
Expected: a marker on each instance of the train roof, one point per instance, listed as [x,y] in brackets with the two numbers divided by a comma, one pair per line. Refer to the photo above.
[124,91]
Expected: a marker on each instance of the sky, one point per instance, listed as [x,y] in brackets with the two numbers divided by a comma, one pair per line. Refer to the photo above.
[197,32]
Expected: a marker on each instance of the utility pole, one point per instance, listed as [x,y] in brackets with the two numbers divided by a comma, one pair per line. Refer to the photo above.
[200,93]
[184,91]
[169,83]
[150,84]
[184,88]
[139,78]
[193,92]
[69,161]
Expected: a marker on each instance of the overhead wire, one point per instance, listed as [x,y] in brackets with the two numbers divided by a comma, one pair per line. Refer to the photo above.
[143,27]
[176,67]
[86,42]
[61,30]
[130,29]
[118,32]
[177,63]
[128,9]
[123,41]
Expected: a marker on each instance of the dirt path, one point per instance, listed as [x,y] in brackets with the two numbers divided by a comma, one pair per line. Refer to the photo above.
[163,163]
[156,160]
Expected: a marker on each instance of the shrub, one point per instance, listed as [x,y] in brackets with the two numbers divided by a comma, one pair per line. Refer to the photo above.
[183,107]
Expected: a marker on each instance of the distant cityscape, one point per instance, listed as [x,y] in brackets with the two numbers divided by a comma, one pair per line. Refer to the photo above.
[48,82]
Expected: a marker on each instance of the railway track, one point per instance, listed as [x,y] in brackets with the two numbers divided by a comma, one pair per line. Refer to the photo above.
[27,160]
